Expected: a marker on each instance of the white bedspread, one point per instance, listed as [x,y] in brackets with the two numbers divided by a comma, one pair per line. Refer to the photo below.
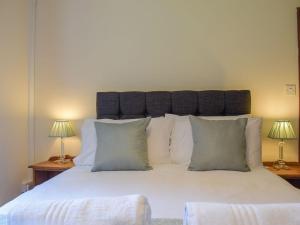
[168,187]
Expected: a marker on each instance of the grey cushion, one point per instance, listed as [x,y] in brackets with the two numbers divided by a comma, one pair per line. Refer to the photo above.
[219,144]
[121,146]
[128,105]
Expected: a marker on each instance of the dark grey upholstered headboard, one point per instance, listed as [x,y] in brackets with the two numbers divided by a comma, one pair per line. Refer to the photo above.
[128,105]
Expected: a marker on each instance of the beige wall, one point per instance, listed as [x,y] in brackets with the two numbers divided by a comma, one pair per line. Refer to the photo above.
[13,96]
[84,46]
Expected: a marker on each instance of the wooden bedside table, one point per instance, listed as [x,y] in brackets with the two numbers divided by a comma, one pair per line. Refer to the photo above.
[44,171]
[292,175]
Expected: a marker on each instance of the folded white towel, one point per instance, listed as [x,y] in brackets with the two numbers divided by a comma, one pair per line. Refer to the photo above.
[242,214]
[125,210]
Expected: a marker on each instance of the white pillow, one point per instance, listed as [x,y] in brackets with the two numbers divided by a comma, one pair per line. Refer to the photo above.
[181,148]
[253,141]
[158,139]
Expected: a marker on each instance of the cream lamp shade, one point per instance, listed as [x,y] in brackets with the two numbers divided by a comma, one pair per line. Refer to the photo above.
[282,129]
[62,128]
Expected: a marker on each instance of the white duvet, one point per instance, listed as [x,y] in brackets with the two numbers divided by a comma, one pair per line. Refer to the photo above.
[168,187]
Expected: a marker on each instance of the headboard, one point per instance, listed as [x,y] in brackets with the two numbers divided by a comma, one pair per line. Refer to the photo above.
[128,105]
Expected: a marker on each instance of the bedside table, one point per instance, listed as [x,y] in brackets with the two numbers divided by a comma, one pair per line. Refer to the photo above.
[292,175]
[44,171]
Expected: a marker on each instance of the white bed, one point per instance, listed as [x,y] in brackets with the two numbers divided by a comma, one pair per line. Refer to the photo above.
[168,187]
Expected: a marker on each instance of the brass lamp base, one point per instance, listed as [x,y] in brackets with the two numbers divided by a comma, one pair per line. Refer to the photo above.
[62,161]
[280,164]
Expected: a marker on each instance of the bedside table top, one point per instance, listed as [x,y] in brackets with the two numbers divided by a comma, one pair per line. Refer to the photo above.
[292,173]
[52,166]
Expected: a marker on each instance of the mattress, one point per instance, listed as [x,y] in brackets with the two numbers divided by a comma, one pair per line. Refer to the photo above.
[167,187]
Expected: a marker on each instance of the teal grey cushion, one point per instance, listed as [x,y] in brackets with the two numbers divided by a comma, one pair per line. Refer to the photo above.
[121,146]
[219,144]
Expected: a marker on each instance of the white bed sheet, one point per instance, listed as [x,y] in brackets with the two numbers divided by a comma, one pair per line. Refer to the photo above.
[167,187]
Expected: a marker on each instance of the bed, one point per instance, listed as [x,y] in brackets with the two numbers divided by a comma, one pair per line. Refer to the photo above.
[168,186]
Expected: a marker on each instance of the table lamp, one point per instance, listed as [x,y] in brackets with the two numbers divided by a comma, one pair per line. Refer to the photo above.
[282,130]
[62,129]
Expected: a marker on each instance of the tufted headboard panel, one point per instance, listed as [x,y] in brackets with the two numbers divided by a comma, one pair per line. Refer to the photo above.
[128,105]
